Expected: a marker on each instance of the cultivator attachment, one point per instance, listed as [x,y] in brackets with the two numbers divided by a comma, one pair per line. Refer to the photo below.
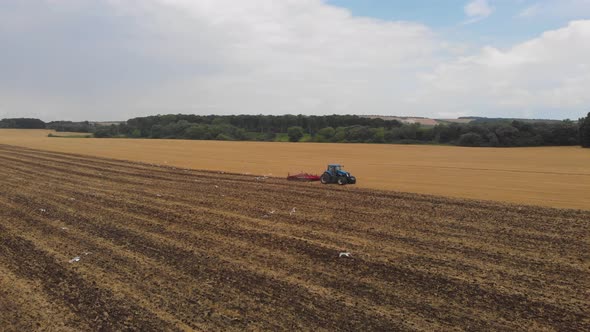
[303,177]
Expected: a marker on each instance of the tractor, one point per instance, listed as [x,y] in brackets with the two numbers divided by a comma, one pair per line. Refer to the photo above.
[335,174]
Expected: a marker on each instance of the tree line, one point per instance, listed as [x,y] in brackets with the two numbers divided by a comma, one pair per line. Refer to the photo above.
[585,131]
[350,129]
[22,123]
[481,132]
[62,126]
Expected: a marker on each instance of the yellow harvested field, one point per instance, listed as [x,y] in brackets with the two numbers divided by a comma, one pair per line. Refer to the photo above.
[547,176]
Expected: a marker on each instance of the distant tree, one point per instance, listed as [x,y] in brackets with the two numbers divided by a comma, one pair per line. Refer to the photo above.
[470,139]
[563,133]
[325,134]
[444,133]
[22,123]
[269,137]
[156,131]
[507,135]
[223,137]
[358,134]
[295,133]
[340,135]
[78,127]
[585,131]
[106,131]
[136,133]
[425,134]
[377,135]
[410,131]
[196,132]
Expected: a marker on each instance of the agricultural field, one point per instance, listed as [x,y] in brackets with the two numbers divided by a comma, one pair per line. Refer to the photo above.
[546,176]
[90,243]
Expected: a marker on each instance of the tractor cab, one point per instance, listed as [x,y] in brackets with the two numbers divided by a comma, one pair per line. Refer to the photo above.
[335,169]
[336,174]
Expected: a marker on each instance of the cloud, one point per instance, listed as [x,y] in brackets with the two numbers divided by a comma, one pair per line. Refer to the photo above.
[530,11]
[122,58]
[477,10]
[542,77]
[564,9]
[116,59]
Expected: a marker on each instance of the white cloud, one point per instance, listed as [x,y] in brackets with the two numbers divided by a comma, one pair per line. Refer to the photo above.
[564,9]
[477,10]
[259,56]
[115,59]
[530,11]
[541,77]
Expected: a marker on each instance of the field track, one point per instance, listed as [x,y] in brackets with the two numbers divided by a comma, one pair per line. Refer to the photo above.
[164,248]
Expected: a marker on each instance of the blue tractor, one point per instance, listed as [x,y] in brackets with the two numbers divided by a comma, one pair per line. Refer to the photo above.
[335,174]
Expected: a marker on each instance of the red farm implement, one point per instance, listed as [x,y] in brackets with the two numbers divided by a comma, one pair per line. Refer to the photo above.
[303,177]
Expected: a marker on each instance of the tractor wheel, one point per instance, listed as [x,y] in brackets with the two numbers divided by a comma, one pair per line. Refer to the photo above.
[342,181]
[325,179]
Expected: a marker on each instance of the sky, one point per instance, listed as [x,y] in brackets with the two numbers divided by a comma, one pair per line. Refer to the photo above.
[106,60]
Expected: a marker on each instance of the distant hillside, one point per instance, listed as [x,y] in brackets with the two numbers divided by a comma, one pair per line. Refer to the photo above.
[107,123]
[462,120]
[406,119]
[484,119]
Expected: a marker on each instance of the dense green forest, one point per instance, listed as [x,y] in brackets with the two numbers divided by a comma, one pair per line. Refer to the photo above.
[22,123]
[585,131]
[331,128]
[25,123]
[347,129]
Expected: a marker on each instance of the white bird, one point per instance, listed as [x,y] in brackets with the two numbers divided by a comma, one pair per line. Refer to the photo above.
[75,259]
[345,255]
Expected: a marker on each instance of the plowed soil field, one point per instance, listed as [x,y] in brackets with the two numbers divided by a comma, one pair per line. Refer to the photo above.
[100,244]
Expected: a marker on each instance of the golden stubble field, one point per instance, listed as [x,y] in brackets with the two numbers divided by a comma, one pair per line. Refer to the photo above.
[548,176]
